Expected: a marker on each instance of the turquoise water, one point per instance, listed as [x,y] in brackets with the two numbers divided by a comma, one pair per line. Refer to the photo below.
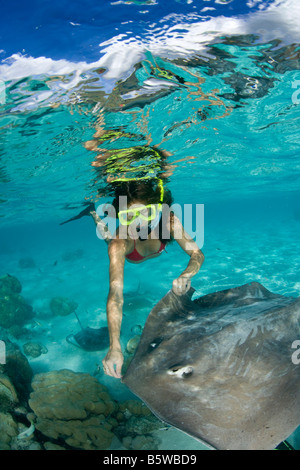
[228,116]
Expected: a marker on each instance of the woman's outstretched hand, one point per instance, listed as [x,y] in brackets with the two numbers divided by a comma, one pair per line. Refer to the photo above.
[181,285]
[112,363]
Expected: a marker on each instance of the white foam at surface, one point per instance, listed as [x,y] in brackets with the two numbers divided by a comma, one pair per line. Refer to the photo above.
[281,21]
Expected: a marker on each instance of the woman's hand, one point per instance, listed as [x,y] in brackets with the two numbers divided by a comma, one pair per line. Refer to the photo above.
[113,358]
[181,285]
[103,231]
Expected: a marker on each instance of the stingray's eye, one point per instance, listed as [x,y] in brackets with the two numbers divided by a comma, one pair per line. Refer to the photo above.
[155,343]
[181,371]
[188,371]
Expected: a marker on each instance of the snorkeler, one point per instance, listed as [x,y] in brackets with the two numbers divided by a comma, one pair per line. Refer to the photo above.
[145,226]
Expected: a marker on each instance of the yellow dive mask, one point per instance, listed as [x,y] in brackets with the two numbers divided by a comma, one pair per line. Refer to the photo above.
[147,213]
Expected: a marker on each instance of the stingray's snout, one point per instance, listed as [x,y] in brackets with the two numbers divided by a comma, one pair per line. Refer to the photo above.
[181,371]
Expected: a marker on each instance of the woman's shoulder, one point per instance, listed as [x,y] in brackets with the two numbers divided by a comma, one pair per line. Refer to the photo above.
[120,244]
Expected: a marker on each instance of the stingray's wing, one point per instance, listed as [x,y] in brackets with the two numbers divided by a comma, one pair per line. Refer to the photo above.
[220,368]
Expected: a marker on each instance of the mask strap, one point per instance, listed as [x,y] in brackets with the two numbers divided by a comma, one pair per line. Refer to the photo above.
[161,187]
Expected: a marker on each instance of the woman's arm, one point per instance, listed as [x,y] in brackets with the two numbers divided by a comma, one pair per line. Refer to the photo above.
[182,284]
[113,361]
[101,227]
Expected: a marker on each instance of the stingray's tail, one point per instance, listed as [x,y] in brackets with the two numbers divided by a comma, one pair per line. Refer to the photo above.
[71,339]
[78,321]
[90,206]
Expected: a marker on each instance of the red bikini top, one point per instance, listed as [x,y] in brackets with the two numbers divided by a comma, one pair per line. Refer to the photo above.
[135,255]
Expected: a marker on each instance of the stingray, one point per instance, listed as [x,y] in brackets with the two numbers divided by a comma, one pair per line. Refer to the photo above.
[90,206]
[97,339]
[90,339]
[220,367]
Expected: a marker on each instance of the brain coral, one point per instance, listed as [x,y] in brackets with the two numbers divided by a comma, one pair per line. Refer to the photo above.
[74,407]
[17,369]
[9,285]
[14,310]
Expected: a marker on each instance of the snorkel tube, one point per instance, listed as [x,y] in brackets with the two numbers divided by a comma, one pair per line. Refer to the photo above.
[154,223]
[150,227]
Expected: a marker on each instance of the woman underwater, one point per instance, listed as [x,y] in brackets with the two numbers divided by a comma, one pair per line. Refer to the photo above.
[149,226]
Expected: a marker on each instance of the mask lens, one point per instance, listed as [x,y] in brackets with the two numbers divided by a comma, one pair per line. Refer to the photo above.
[131,215]
[126,217]
[148,213]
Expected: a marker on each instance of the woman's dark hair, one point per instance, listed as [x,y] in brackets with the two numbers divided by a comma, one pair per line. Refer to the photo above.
[148,192]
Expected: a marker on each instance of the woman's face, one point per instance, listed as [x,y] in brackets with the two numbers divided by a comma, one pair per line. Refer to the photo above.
[144,219]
